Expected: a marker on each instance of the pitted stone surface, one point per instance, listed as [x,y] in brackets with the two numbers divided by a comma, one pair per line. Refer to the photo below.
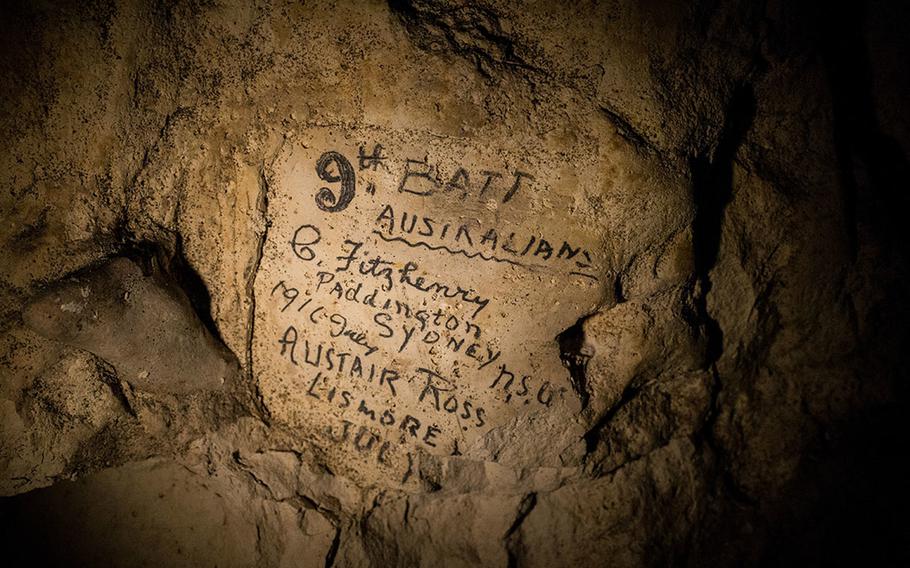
[410,292]
[144,327]
[430,283]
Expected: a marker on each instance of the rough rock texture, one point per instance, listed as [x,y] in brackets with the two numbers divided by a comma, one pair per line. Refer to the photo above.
[131,321]
[712,373]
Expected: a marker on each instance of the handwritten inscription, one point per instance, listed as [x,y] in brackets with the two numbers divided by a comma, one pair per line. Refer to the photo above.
[326,199]
[473,237]
[418,325]
[421,178]
[304,238]
[370,161]
[408,275]
[397,324]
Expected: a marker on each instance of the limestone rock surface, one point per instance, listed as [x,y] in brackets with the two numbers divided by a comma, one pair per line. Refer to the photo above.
[453,283]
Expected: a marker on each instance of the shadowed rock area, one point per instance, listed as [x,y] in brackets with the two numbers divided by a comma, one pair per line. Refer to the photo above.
[148,332]
[426,283]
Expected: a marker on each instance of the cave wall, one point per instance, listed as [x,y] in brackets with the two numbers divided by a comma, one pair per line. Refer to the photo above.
[453,283]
